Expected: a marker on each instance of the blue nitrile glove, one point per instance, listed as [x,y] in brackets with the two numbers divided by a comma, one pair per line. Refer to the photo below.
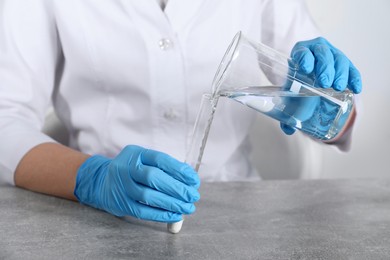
[138,182]
[330,67]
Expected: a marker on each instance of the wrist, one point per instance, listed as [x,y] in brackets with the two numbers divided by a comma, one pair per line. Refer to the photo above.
[89,180]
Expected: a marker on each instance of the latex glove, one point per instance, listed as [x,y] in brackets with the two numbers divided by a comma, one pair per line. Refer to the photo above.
[328,65]
[138,182]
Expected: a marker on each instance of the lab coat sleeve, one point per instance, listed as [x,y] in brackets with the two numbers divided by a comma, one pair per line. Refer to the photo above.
[287,22]
[28,57]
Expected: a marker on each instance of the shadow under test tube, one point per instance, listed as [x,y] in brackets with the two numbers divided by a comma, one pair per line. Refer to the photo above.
[198,142]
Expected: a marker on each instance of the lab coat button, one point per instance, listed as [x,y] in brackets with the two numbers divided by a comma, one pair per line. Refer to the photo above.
[170,114]
[165,44]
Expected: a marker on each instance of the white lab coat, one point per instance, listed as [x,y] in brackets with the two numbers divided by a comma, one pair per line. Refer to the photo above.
[125,72]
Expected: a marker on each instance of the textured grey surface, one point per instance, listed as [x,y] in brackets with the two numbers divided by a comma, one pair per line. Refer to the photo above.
[325,219]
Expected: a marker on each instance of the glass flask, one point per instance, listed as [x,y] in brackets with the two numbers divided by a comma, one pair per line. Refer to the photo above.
[268,81]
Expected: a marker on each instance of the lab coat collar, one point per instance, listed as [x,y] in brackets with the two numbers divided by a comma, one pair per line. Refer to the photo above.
[178,14]
[181,13]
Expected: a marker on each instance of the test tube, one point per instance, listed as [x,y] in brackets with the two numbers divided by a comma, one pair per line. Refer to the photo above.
[198,142]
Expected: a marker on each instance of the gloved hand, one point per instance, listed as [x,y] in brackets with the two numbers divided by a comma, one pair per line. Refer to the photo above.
[138,182]
[329,66]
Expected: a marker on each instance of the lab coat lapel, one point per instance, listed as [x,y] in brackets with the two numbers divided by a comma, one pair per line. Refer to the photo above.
[181,13]
[149,12]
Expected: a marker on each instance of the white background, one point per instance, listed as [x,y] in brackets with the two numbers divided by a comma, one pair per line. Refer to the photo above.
[360,28]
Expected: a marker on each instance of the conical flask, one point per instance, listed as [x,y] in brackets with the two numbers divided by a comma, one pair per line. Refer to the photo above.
[270,82]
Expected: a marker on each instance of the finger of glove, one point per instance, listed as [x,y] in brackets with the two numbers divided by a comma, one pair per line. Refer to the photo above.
[288,130]
[355,80]
[341,71]
[160,200]
[157,179]
[178,170]
[304,58]
[324,65]
[146,212]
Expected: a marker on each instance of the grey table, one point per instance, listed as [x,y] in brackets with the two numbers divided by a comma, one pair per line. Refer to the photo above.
[323,219]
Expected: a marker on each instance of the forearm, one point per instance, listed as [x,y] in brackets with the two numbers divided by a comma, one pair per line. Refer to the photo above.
[50,168]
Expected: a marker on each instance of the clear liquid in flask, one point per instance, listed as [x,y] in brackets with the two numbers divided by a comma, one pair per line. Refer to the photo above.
[320,116]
